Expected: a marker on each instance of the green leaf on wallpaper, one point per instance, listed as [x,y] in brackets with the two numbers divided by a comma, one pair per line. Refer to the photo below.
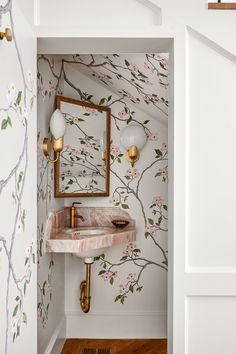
[15,310]
[151,222]
[124,258]
[6,123]
[158,174]
[38,136]
[31,102]
[146,234]
[118,298]
[122,300]
[158,152]
[131,288]
[70,181]
[125,206]
[111,281]
[26,260]
[126,62]
[129,120]
[101,272]
[102,100]
[119,160]
[160,220]
[165,207]
[24,317]
[25,284]
[109,98]
[137,250]
[146,121]
[18,100]
[33,258]
[86,114]
[165,262]
[20,177]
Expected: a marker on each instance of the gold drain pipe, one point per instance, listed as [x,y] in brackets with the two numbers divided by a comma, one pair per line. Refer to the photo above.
[85,290]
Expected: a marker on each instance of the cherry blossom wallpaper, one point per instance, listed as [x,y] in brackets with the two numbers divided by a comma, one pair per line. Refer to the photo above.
[17,184]
[135,87]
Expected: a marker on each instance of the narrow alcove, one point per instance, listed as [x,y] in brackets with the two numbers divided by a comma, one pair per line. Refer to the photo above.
[116,295]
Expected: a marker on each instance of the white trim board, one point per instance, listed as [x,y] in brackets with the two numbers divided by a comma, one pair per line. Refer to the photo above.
[57,339]
[116,325]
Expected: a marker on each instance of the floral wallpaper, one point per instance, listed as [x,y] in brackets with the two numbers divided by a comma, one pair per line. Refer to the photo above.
[50,308]
[17,177]
[129,191]
[141,80]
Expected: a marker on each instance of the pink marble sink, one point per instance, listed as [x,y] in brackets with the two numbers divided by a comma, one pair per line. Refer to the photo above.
[91,237]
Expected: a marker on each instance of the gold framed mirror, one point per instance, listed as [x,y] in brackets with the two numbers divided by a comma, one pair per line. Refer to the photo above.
[83,168]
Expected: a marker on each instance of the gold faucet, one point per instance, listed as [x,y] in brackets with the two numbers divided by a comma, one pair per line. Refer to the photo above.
[73,215]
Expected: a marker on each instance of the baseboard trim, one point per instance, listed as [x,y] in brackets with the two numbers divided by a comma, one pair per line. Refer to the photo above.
[57,339]
[116,325]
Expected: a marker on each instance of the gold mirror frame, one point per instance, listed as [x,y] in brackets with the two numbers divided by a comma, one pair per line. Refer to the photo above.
[57,192]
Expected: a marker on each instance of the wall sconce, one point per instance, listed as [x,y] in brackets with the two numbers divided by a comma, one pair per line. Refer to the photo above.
[133,139]
[57,128]
[7,34]
[103,143]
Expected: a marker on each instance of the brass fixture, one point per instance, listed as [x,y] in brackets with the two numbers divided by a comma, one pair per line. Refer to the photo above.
[133,138]
[132,155]
[120,223]
[85,297]
[7,34]
[73,215]
[57,128]
[104,155]
[57,146]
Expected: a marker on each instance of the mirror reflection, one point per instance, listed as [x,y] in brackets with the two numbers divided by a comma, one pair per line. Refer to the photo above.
[83,167]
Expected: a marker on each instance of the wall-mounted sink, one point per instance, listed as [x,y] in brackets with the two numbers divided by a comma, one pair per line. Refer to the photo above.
[88,256]
[93,238]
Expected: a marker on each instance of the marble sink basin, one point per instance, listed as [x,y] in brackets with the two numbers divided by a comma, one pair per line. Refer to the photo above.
[93,237]
[86,232]
[88,256]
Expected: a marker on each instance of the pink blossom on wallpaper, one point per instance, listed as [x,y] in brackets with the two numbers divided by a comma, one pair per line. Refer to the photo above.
[11,94]
[132,173]
[131,276]
[115,150]
[158,200]
[163,172]
[131,246]
[152,136]
[164,147]
[123,289]
[122,114]
[114,200]
[108,275]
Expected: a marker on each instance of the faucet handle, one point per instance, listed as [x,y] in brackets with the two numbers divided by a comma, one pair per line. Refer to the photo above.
[76,203]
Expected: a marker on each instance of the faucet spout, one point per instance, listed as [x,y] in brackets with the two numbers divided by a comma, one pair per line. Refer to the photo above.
[73,215]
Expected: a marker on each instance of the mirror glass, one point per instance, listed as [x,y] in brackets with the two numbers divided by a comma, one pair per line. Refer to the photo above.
[83,167]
